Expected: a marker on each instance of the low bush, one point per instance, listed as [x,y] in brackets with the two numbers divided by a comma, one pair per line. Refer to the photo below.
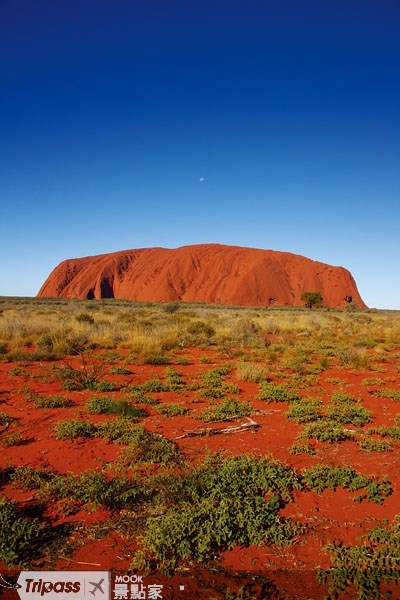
[13,439]
[225,410]
[90,490]
[147,447]
[29,478]
[297,449]
[390,393]
[156,359]
[345,414]
[174,380]
[369,444]
[223,503]
[107,405]
[273,392]
[51,402]
[322,477]
[364,569]
[18,534]
[325,431]
[387,431]
[213,386]
[6,419]
[171,410]
[251,371]
[120,371]
[87,377]
[74,428]
[305,410]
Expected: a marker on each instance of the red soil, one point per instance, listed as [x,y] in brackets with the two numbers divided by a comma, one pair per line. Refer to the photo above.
[213,273]
[332,515]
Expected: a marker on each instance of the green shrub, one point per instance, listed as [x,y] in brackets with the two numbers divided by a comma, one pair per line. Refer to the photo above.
[172,410]
[212,385]
[366,569]
[18,534]
[373,381]
[120,371]
[325,431]
[297,449]
[226,410]
[390,393]
[154,385]
[6,419]
[156,359]
[356,415]
[369,444]
[171,307]
[387,431]
[51,402]
[223,503]
[312,299]
[29,478]
[140,397]
[346,409]
[147,447]
[88,377]
[91,489]
[13,439]
[273,392]
[70,430]
[174,379]
[206,360]
[109,406]
[304,411]
[323,477]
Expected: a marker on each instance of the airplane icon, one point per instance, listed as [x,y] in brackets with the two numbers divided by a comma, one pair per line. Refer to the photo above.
[96,586]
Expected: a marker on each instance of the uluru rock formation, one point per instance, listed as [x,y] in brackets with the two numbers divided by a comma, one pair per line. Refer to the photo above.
[213,273]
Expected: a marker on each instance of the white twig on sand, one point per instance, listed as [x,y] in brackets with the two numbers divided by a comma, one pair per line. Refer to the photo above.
[251,424]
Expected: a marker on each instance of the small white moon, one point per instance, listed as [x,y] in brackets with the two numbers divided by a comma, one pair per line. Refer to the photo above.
[201,179]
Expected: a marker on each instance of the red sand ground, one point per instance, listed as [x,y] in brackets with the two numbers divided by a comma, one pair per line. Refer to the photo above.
[213,273]
[330,516]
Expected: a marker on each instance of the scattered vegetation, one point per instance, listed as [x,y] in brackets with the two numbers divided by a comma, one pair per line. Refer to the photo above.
[366,568]
[190,513]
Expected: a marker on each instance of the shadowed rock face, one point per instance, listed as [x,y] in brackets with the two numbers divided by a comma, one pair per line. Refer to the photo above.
[212,273]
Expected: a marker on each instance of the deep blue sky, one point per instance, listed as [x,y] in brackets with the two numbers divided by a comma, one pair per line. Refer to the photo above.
[112,111]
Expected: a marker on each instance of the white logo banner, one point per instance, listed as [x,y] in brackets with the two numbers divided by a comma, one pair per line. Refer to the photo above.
[64,585]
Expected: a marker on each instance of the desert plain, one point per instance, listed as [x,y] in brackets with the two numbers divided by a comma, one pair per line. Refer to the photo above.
[239,452]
